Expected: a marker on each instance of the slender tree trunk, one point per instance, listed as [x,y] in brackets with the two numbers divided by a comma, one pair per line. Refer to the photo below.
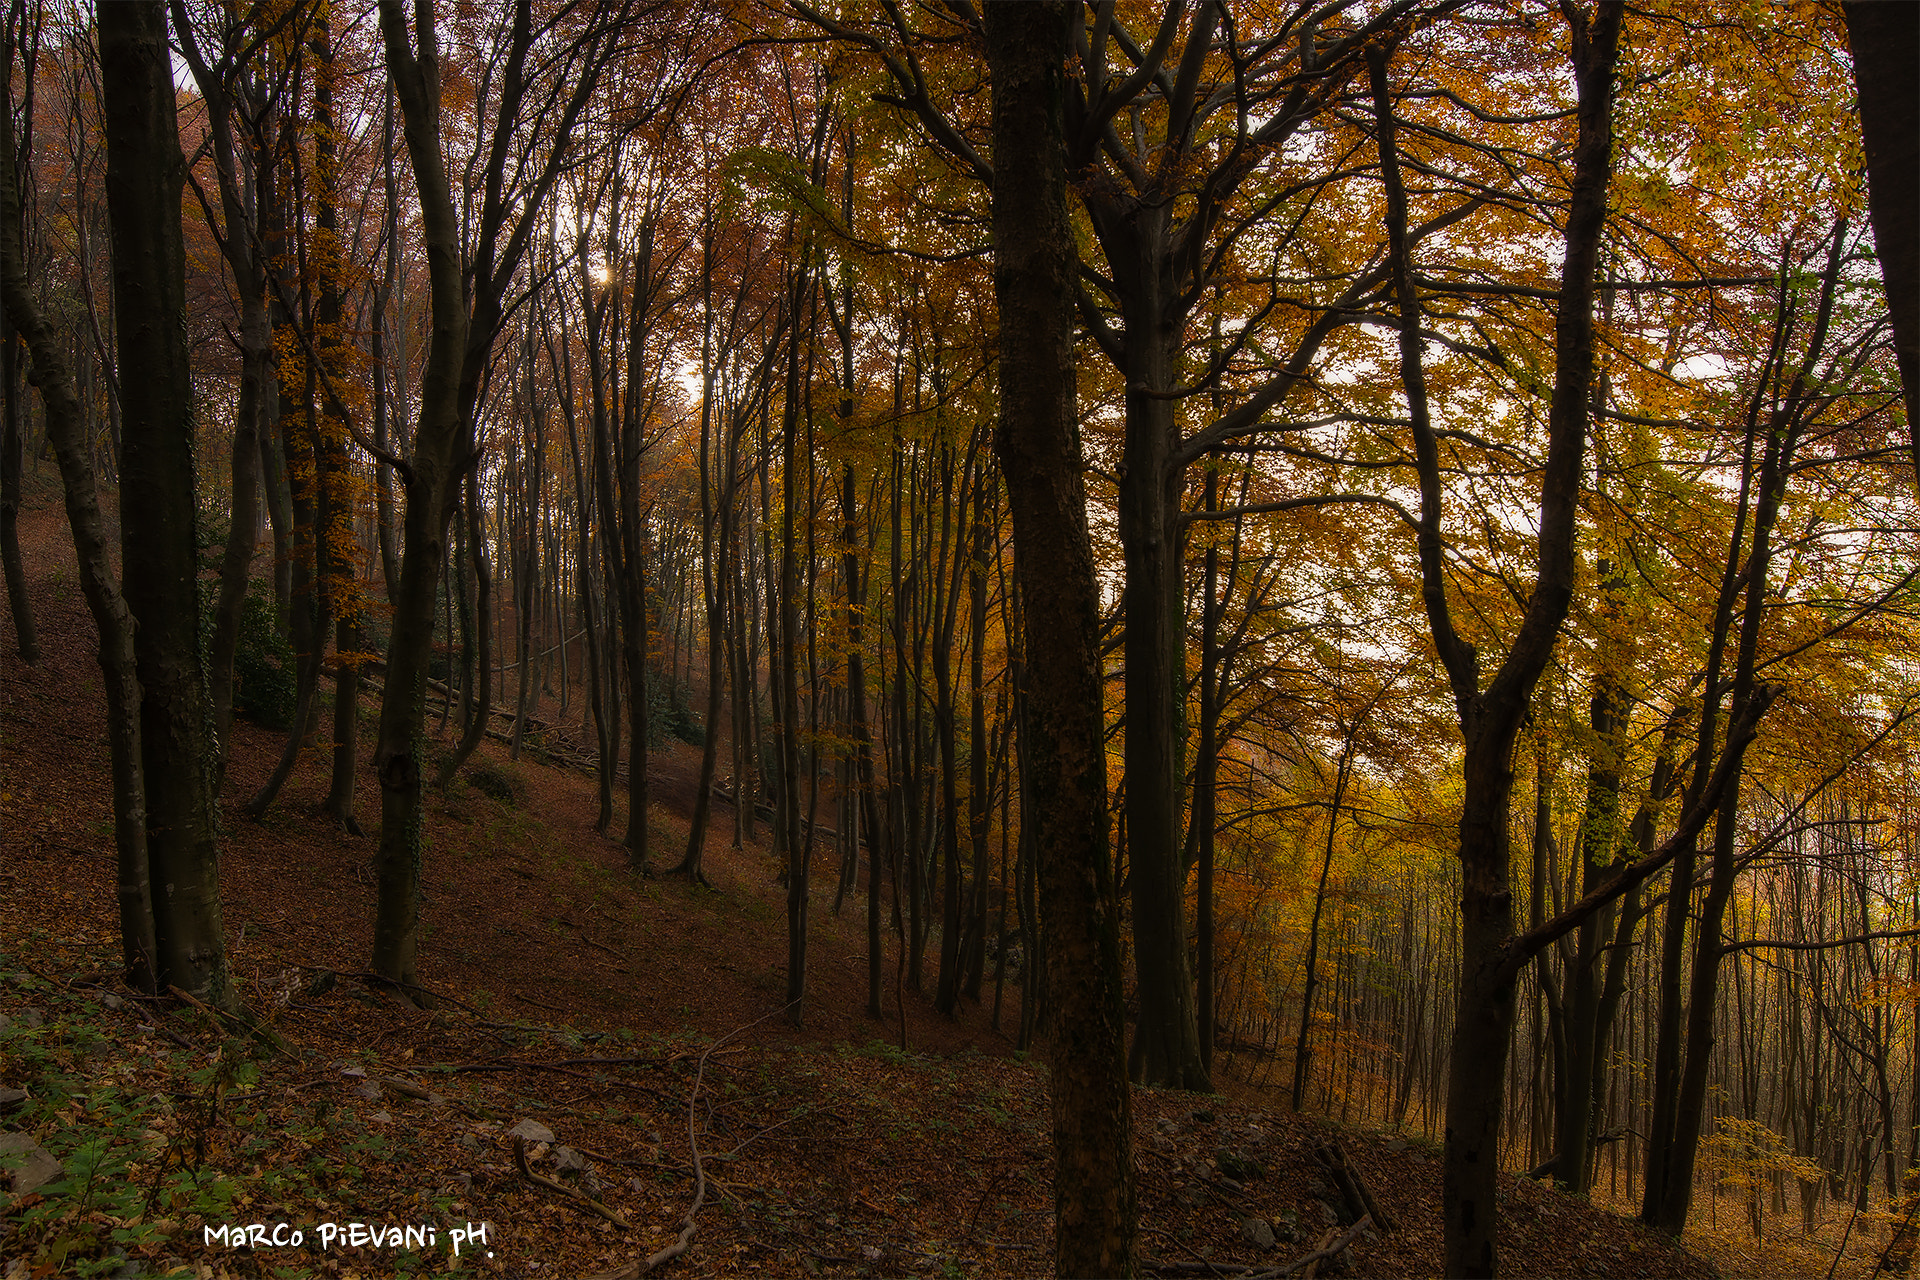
[441,452]
[480,681]
[799,843]
[338,550]
[1490,716]
[713,547]
[977,747]
[11,457]
[67,433]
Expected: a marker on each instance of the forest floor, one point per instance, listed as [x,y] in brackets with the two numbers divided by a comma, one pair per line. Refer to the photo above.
[613,1021]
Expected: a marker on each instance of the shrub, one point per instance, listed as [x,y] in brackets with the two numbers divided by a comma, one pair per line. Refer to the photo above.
[264,678]
[670,711]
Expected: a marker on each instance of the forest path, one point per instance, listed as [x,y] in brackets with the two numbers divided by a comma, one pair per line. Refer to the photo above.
[587,1000]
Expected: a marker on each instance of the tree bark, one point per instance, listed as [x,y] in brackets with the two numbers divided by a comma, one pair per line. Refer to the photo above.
[1490,717]
[1885,40]
[67,432]
[145,172]
[442,449]
[1095,1216]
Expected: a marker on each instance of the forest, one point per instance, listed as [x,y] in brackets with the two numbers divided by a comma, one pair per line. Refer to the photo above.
[1279,638]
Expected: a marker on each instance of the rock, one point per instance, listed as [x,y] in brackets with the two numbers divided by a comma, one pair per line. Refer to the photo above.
[381,1117]
[1398,1144]
[368,1089]
[567,1160]
[12,1097]
[1258,1232]
[31,1017]
[470,1141]
[1240,1167]
[36,1166]
[112,1001]
[359,1073]
[532,1131]
[1228,1184]
[1327,1213]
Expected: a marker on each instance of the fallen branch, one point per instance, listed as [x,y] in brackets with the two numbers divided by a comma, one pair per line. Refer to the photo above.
[560,1188]
[381,980]
[639,1267]
[1320,1255]
[1228,1271]
[243,1018]
[1353,1188]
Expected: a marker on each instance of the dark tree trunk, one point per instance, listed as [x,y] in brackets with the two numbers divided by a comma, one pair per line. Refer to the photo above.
[977,748]
[1095,1223]
[480,673]
[67,433]
[441,452]
[11,456]
[712,577]
[1885,40]
[1490,716]
[635,621]
[334,540]
[1167,1050]
[799,843]
[145,171]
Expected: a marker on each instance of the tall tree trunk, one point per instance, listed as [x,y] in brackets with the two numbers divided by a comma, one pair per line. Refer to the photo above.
[1095,1215]
[635,621]
[145,171]
[480,681]
[1490,716]
[442,450]
[1167,1049]
[338,550]
[799,843]
[713,574]
[977,747]
[11,458]
[1885,41]
[241,246]
[67,433]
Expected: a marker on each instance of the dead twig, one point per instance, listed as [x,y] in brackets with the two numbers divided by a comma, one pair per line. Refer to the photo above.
[681,1243]
[1200,1268]
[1327,1250]
[560,1188]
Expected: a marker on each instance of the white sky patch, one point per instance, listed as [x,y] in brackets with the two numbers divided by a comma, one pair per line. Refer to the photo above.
[1707,368]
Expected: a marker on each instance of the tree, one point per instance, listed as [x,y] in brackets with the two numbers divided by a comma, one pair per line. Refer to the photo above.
[1039,452]
[11,451]
[469,294]
[158,496]
[1490,713]
[1885,41]
[67,431]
